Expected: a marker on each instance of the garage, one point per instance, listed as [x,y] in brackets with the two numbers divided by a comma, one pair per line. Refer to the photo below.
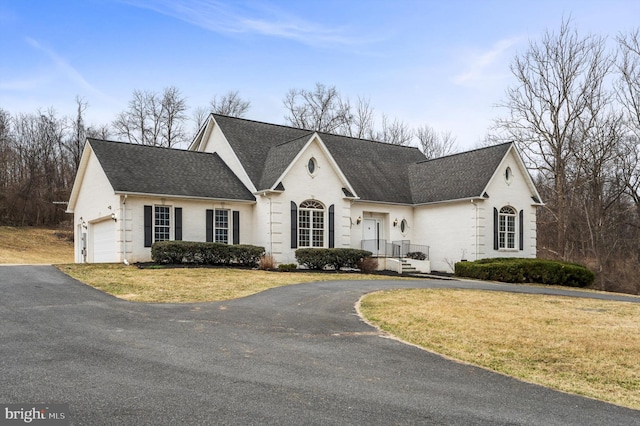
[102,242]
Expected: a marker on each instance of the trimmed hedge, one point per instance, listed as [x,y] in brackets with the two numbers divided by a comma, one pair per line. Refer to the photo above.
[336,258]
[198,253]
[519,270]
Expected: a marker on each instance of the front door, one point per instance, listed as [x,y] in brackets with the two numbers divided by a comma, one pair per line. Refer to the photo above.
[371,236]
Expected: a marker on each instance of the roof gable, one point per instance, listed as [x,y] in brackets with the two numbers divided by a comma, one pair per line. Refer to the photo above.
[252,140]
[376,171]
[457,176]
[143,169]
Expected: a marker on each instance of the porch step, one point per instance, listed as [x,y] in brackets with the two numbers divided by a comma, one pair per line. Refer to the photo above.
[407,268]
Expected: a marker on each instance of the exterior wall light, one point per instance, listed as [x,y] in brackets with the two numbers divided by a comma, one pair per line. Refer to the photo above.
[395,222]
[113,217]
[358,220]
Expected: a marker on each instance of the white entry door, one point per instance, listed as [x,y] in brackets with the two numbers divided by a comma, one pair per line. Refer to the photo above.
[371,236]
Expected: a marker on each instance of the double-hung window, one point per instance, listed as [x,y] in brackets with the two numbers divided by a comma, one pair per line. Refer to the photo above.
[221,226]
[162,223]
[311,224]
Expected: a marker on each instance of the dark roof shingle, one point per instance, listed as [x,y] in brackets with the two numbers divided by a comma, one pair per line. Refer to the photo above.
[146,169]
[377,171]
[457,176]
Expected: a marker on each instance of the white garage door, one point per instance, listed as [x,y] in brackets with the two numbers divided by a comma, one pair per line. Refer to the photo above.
[103,242]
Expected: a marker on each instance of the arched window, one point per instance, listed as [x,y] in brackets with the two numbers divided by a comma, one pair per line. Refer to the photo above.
[507,228]
[311,224]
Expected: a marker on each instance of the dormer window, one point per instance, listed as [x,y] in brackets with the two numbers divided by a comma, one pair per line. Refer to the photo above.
[312,166]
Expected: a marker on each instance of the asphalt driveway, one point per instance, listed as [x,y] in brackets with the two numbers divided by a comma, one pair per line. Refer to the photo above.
[291,355]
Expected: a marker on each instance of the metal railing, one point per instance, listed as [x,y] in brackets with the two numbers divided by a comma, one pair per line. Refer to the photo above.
[399,249]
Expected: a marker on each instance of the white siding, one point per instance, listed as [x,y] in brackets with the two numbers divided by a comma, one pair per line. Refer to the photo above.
[449,229]
[194,223]
[96,201]
[325,185]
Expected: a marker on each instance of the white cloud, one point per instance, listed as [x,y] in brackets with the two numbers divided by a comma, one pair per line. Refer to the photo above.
[70,72]
[221,17]
[480,64]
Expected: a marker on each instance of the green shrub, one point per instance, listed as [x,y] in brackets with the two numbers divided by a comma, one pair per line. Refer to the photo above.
[518,270]
[198,253]
[416,255]
[287,267]
[336,258]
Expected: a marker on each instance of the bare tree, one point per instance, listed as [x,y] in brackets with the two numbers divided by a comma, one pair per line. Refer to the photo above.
[173,116]
[75,142]
[395,132]
[362,120]
[102,131]
[435,144]
[230,104]
[628,86]
[198,116]
[153,119]
[550,111]
[321,109]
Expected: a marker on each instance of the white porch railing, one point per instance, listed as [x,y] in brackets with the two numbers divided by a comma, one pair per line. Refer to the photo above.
[398,249]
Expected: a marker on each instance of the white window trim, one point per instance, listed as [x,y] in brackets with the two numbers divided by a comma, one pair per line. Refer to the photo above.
[156,226]
[216,227]
[318,209]
[503,235]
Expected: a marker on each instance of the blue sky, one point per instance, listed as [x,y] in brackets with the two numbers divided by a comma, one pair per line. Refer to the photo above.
[444,63]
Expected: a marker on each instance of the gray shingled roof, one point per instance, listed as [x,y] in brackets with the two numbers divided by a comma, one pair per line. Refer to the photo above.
[252,141]
[457,176]
[377,171]
[152,170]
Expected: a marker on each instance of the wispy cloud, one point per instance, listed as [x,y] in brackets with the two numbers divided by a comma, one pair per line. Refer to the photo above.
[248,18]
[69,71]
[481,63]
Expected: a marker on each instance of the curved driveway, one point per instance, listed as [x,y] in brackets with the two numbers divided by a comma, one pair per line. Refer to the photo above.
[290,355]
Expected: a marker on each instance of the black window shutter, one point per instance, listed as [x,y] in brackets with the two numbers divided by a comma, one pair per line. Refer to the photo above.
[332,229]
[178,218]
[521,224]
[495,228]
[209,225]
[148,226]
[294,225]
[236,227]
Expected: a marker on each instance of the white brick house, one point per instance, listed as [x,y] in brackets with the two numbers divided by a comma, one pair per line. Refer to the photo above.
[247,182]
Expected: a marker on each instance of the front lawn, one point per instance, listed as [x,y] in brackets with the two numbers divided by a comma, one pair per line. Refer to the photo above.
[178,285]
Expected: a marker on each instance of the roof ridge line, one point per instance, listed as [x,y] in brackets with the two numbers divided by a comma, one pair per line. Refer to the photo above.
[314,131]
[150,146]
[465,152]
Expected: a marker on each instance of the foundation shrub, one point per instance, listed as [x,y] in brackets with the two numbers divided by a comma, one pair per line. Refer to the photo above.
[518,270]
[287,267]
[336,258]
[199,253]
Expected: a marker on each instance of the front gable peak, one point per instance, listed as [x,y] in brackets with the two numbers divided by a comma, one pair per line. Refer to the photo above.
[308,152]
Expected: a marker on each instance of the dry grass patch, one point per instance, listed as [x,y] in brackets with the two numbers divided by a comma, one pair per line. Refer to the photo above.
[180,285]
[582,346]
[27,245]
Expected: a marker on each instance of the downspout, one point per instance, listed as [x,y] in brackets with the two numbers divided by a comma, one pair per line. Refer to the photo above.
[123,229]
[268,197]
[476,228]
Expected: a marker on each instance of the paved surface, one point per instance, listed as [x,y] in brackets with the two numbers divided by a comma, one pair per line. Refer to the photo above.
[293,355]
